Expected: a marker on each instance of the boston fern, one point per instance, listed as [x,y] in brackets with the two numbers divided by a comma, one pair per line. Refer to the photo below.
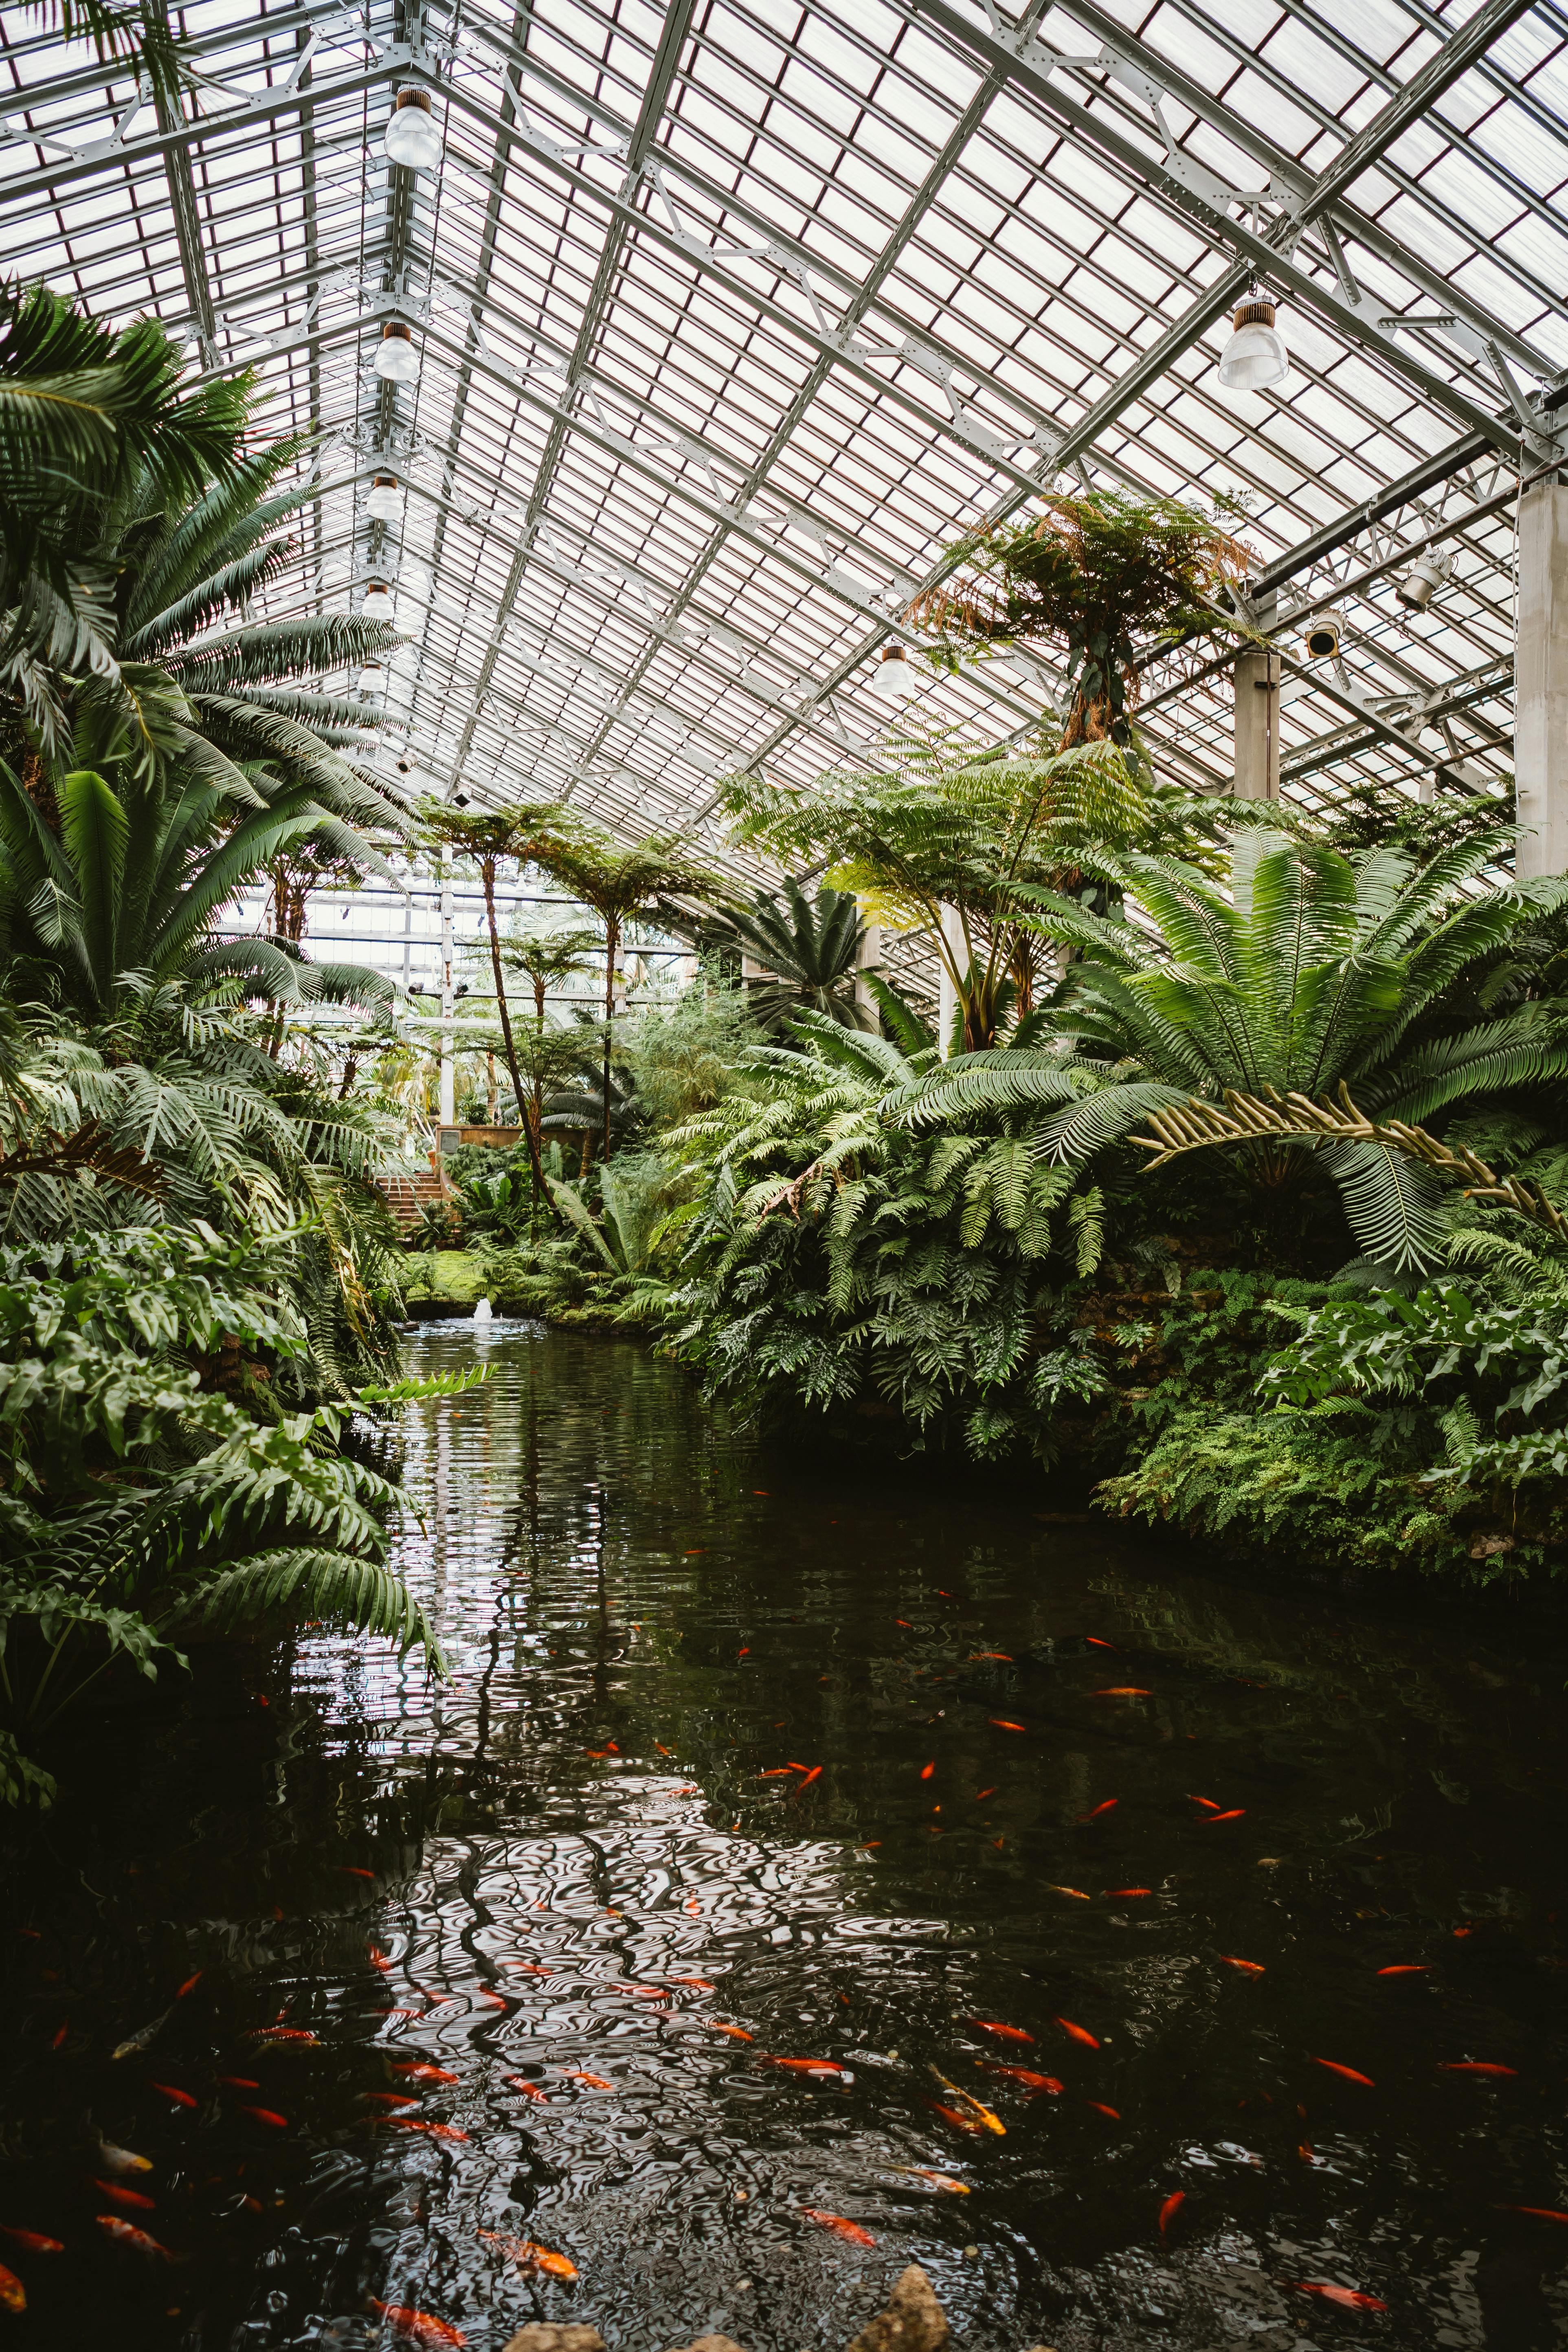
[140,1497]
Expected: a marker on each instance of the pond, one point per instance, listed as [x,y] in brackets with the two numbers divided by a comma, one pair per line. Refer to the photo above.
[812,1869]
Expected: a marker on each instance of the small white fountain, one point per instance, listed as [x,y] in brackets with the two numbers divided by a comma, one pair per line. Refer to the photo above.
[484,1312]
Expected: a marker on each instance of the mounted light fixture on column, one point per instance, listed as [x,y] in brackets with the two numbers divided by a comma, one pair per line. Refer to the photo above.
[1255,356]
[397,354]
[385,503]
[412,138]
[894,679]
[378,602]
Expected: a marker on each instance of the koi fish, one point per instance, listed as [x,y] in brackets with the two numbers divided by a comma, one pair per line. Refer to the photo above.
[417,2072]
[354,1870]
[662,1748]
[418,2327]
[378,1959]
[1005,1655]
[132,2196]
[842,2227]
[269,2116]
[927,1769]
[138,2042]
[1248,1967]
[32,2242]
[529,2257]
[741,1653]
[1404,1969]
[189,1986]
[803,2065]
[735,2032]
[1107,1806]
[418,2123]
[1235,1814]
[390,2098]
[1077,2033]
[815,1774]
[1541,2213]
[1003,2032]
[779,1772]
[949,2115]
[1346,2296]
[239,2083]
[1003,1725]
[1170,2208]
[1124,1690]
[1125,1893]
[1034,2082]
[122,2159]
[938,2179]
[595,2082]
[988,2122]
[1114,2113]
[530,2090]
[1076,1892]
[1096,1644]
[1206,1802]
[1474,2066]
[697,1984]
[167,2091]
[981,1795]
[1347,2071]
[126,2234]
[13,2294]
[282,2033]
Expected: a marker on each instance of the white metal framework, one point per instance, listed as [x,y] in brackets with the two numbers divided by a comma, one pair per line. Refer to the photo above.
[726,317]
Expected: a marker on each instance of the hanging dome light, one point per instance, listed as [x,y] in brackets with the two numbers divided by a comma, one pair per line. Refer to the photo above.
[412,138]
[378,602]
[396,355]
[385,503]
[1255,356]
[1416,587]
[895,678]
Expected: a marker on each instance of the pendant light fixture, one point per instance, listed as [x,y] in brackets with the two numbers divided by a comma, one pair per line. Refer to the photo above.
[385,503]
[412,138]
[378,602]
[895,678]
[1255,356]
[397,354]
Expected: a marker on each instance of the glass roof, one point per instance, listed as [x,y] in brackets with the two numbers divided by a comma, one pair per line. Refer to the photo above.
[728,318]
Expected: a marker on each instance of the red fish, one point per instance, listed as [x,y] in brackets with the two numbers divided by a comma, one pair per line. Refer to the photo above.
[417,2123]
[1346,2296]
[779,1772]
[281,2033]
[1541,2213]
[418,2072]
[804,2066]
[1103,1807]
[1404,1968]
[1170,2208]
[815,1774]
[378,1959]
[132,2196]
[33,2243]
[530,2090]
[1347,2071]
[1124,1690]
[1078,2033]
[1206,1802]
[1003,2032]
[951,2116]
[167,2091]
[1474,2066]
[239,2083]
[1035,2082]
[354,1870]
[981,1795]
[418,2327]
[741,1653]
[189,1986]
[529,2257]
[1003,1725]
[126,2234]
[390,2098]
[267,2115]
[1099,2106]
[595,2082]
[1235,1814]
[1247,1967]
[842,2227]
[1096,1644]
[927,1769]
[1005,1656]
[13,2294]
[735,2032]
[1125,1893]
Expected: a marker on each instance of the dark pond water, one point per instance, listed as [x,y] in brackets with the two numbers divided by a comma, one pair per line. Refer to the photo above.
[1049,1774]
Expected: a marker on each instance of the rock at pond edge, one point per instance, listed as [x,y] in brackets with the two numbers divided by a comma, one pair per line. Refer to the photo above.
[548,2335]
[914,2321]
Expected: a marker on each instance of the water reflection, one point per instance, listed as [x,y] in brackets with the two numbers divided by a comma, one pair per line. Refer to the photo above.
[747,1760]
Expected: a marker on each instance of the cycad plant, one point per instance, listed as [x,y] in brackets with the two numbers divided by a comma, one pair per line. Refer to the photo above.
[810,946]
[1311,970]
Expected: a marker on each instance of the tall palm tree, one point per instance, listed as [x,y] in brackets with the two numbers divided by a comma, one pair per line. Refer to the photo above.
[616,883]
[546,959]
[521,833]
[1313,970]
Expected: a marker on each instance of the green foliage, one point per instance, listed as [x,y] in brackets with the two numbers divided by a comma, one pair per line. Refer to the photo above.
[808,945]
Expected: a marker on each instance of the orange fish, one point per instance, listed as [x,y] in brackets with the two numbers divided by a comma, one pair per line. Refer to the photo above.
[1034,2082]
[1235,1814]
[904,1622]
[662,1748]
[1124,1690]
[390,2098]
[1474,2066]
[530,2090]
[1248,1967]
[942,2180]
[417,2123]
[418,2327]
[779,1772]
[981,1795]
[1206,1802]
[927,1769]
[1404,1968]
[1541,2213]
[836,2222]
[353,1870]
[1076,1892]
[1003,2032]
[13,2294]
[418,2072]
[32,2243]
[125,2233]
[1096,1644]
[167,2091]
[267,2115]
[595,2082]
[1347,2071]
[529,2257]
[1170,2208]
[378,1959]
[1005,1655]
[1003,1725]
[1346,2296]
[239,2083]
[1078,2033]
[132,2196]
[815,1774]
[1104,1807]
[735,2032]
[1125,1893]
[189,1986]
[1114,2113]
[280,2033]
[803,2065]
[951,2115]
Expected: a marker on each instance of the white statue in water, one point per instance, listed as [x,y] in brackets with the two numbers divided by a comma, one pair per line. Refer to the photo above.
[484,1312]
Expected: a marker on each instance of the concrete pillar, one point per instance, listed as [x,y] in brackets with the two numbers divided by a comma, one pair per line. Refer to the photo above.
[947,995]
[449,1066]
[1258,724]
[1541,681]
[867,958]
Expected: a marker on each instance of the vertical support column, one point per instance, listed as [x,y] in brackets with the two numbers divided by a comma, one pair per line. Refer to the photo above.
[867,958]
[448,1068]
[1541,681]
[947,995]
[1257,675]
